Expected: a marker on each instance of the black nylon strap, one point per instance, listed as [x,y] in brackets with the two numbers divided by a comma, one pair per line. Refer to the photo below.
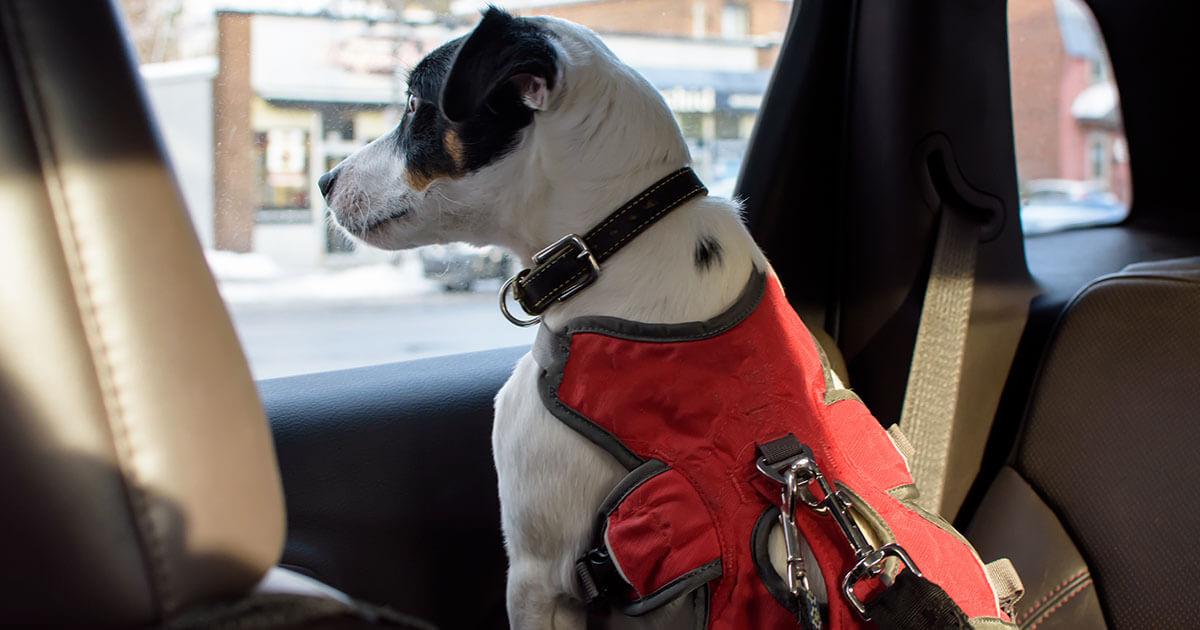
[914,603]
[563,269]
[781,450]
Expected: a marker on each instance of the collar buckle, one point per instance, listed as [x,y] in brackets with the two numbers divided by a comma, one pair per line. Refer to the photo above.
[572,263]
[548,256]
[562,247]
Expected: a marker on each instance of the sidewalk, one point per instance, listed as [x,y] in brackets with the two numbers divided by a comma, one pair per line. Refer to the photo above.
[256,279]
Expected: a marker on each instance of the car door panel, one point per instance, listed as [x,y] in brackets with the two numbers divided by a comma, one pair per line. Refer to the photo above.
[389,484]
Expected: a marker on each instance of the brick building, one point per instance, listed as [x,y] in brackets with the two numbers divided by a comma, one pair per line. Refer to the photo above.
[761,21]
[1066,114]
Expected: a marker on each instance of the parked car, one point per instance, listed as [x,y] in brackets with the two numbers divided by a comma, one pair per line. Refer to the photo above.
[1053,205]
[458,266]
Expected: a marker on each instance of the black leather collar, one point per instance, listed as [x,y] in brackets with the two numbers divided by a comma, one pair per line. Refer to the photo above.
[573,262]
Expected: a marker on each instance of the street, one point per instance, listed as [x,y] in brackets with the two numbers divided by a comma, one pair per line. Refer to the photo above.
[362,316]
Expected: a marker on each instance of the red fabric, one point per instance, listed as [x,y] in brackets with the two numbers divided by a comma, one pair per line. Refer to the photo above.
[702,406]
[652,549]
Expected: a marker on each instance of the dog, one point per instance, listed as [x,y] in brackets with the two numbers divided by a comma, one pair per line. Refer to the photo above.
[527,130]
[523,131]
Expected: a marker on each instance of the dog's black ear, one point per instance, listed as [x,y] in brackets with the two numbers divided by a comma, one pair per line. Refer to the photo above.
[501,50]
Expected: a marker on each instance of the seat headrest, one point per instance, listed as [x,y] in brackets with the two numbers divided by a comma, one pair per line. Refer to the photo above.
[137,472]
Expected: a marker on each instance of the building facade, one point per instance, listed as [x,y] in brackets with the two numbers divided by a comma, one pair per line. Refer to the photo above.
[1066,114]
[295,94]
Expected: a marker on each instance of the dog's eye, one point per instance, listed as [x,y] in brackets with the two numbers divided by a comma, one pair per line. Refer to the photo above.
[413,102]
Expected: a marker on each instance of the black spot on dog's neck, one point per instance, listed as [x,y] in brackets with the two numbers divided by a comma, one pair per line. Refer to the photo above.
[708,253]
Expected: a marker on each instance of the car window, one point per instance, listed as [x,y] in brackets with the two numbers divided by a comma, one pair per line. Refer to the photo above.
[1072,159]
[255,99]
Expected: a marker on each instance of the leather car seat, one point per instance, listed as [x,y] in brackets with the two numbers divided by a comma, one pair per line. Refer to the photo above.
[138,480]
[1099,504]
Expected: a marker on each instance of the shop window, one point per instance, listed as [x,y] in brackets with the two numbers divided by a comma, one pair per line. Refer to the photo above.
[289,89]
[1098,159]
[282,154]
[735,21]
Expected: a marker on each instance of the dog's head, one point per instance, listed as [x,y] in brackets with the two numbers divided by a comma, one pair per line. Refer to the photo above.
[505,129]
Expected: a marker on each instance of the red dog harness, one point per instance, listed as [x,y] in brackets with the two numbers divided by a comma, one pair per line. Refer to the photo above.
[720,422]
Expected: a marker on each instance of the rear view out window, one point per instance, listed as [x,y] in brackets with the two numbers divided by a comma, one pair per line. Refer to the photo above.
[1072,159]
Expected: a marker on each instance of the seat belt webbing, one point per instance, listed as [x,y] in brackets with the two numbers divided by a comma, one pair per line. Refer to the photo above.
[931,396]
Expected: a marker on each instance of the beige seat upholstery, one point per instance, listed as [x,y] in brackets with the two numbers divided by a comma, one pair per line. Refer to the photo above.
[139,474]
[138,480]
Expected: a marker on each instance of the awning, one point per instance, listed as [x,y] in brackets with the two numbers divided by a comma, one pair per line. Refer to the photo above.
[1098,105]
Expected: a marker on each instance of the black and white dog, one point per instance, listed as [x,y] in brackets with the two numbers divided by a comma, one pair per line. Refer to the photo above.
[517,134]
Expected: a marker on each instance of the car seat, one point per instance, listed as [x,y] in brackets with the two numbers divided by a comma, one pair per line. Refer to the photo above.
[138,479]
[1098,505]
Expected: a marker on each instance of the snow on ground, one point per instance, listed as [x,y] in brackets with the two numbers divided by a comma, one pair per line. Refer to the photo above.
[255,278]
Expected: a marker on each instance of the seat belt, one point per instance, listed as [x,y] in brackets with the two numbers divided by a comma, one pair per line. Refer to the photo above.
[931,396]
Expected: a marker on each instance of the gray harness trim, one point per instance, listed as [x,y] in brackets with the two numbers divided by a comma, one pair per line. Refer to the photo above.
[551,350]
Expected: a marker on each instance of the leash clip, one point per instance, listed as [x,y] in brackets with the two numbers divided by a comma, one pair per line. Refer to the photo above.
[869,566]
[808,612]
[794,472]
[798,472]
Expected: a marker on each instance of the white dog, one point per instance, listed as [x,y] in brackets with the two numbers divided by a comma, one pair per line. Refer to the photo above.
[525,131]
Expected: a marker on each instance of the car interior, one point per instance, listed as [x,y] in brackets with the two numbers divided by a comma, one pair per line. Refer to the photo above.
[147,480]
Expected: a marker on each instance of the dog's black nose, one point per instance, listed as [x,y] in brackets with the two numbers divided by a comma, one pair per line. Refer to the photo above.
[326,181]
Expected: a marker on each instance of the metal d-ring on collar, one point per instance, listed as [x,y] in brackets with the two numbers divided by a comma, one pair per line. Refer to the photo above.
[572,262]
[541,257]
[508,285]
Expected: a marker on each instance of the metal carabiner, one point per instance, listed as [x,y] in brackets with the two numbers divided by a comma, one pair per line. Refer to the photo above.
[801,473]
[797,575]
[808,611]
[870,566]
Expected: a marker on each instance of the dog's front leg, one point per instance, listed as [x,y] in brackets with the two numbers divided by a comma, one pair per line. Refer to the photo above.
[534,605]
[552,481]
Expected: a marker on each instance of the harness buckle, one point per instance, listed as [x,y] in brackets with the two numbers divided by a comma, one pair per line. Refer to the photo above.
[599,577]
[585,254]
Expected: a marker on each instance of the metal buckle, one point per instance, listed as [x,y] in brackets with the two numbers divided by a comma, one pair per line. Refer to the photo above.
[541,257]
[871,565]
[584,254]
